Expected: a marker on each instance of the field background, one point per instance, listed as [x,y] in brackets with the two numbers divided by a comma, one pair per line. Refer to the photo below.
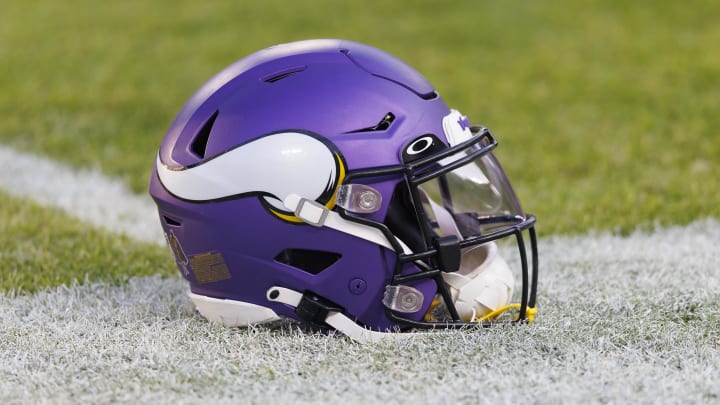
[609,128]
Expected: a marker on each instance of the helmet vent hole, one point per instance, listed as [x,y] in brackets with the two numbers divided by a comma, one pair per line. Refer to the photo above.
[199,144]
[171,221]
[382,125]
[277,76]
[309,261]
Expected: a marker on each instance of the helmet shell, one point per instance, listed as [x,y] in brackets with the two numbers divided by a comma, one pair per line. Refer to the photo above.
[338,92]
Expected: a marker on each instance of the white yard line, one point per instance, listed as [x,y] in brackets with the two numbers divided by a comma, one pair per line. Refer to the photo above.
[84,194]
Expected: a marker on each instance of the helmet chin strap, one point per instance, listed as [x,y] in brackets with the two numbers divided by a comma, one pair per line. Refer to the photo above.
[481,287]
[318,215]
[336,319]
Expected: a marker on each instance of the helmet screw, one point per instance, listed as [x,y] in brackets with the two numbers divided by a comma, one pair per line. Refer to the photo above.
[368,200]
[409,300]
[357,286]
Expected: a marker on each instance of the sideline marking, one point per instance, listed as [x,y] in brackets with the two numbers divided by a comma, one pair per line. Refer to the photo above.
[84,194]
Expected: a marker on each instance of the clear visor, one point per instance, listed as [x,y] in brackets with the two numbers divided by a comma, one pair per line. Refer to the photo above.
[471,200]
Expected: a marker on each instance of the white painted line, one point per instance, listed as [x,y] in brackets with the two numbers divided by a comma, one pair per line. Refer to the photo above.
[84,194]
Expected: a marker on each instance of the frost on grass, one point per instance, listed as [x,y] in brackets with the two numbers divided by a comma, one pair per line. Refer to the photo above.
[622,319]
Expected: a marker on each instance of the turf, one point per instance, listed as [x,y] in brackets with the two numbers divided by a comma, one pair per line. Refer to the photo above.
[624,319]
[606,111]
[42,247]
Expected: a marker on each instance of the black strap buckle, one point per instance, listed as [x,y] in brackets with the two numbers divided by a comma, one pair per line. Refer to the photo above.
[315,309]
[448,248]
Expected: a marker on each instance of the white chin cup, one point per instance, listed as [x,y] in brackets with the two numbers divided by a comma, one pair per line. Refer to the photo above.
[483,283]
[231,313]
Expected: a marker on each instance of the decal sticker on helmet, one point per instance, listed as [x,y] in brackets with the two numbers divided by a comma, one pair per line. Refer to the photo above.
[419,145]
[270,167]
[422,146]
[177,251]
[209,267]
[456,127]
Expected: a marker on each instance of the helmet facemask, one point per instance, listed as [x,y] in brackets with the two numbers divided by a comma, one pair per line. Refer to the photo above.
[450,209]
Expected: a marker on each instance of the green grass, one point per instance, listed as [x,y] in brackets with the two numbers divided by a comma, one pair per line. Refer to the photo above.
[42,247]
[606,111]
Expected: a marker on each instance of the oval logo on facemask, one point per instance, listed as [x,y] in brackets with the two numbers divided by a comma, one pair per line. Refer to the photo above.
[271,167]
[422,146]
[419,145]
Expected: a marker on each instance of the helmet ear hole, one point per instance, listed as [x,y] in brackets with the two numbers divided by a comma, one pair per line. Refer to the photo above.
[199,144]
[402,221]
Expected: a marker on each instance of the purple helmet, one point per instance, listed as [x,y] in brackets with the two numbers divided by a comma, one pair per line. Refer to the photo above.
[327,181]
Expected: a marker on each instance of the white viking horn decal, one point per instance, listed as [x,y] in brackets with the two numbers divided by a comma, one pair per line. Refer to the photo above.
[273,166]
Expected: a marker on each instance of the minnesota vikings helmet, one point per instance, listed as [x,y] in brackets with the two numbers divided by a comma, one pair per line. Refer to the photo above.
[327,181]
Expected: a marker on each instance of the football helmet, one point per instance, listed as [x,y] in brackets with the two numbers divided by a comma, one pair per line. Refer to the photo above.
[327,181]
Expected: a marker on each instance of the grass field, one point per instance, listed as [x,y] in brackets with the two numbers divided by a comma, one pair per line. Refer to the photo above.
[607,117]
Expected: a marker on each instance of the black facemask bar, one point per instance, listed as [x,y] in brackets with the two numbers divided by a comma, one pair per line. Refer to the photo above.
[438,254]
